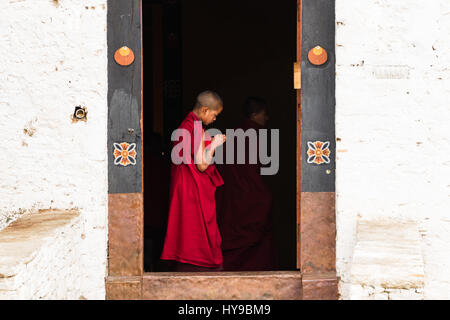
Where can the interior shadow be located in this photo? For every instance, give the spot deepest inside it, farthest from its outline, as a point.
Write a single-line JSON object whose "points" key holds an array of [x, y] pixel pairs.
{"points": [[238, 49]]}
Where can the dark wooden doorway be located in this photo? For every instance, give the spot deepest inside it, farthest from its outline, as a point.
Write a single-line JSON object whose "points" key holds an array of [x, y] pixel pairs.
{"points": [[192, 45], [314, 199]]}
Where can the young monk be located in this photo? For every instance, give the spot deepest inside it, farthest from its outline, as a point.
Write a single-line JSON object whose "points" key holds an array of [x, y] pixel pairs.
{"points": [[193, 240], [244, 205]]}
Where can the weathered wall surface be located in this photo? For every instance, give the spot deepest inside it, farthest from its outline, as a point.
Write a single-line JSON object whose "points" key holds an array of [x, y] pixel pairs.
{"points": [[53, 59], [39, 254], [392, 113]]}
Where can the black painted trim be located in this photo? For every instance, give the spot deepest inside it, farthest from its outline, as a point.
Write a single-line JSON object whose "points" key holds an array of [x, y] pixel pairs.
{"points": [[124, 94], [318, 93]]}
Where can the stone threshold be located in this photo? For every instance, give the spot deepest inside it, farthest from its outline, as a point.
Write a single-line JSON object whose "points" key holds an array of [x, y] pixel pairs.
{"points": [[269, 285]]}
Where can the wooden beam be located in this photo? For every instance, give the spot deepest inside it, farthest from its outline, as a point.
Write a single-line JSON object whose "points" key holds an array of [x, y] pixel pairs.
{"points": [[124, 95]]}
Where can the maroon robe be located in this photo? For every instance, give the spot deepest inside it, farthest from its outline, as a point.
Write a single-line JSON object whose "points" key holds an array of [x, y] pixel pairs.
{"points": [[243, 210], [192, 234]]}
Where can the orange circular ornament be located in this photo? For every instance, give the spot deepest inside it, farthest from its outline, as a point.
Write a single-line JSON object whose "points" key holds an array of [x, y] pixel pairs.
{"points": [[317, 56], [124, 56]]}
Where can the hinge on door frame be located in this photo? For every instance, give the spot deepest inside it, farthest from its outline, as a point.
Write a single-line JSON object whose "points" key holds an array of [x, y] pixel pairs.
{"points": [[297, 75]]}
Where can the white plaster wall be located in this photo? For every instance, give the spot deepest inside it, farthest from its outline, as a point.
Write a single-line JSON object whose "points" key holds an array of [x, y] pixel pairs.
{"points": [[53, 272], [54, 57], [392, 124]]}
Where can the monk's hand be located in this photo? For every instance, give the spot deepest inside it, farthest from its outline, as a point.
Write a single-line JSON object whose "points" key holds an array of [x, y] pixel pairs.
{"points": [[218, 140]]}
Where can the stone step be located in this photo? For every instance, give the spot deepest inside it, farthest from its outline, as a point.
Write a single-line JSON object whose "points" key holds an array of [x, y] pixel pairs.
{"points": [[387, 261], [36, 252]]}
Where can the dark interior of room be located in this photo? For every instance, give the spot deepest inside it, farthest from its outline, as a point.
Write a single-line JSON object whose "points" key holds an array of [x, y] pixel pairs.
{"points": [[238, 49]]}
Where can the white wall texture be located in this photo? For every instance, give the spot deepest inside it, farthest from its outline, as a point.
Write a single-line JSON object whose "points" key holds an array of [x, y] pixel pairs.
{"points": [[392, 118], [54, 58], [43, 264]]}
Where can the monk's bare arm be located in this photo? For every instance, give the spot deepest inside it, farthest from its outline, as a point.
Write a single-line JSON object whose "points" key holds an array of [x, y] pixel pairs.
{"points": [[204, 159]]}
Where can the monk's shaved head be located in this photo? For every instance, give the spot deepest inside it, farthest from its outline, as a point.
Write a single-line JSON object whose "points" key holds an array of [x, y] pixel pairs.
{"points": [[208, 99]]}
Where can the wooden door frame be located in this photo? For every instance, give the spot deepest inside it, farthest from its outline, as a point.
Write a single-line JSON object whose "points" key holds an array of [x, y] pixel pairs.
{"points": [[316, 227]]}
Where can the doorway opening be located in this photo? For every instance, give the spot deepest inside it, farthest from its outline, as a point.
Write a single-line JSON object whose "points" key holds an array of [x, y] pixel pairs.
{"points": [[238, 49]]}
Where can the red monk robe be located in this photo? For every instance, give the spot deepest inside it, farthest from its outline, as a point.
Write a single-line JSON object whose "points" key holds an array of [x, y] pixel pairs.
{"points": [[243, 211], [192, 233]]}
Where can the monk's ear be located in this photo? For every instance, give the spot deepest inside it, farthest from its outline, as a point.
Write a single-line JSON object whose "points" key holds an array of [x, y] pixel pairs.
{"points": [[204, 109]]}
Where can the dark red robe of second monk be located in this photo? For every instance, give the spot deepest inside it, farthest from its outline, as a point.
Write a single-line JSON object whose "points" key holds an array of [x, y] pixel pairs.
{"points": [[192, 233], [243, 210]]}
